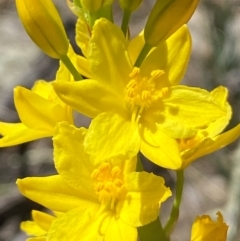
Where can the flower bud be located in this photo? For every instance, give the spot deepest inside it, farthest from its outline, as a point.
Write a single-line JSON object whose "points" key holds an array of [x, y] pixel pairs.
{"points": [[130, 5], [166, 17], [94, 5], [43, 24], [204, 229]]}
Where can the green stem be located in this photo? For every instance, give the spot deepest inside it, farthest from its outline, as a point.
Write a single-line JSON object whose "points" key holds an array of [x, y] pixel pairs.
{"points": [[77, 3], [93, 16], [152, 232], [125, 21], [145, 50], [67, 62], [176, 204], [106, 12]]}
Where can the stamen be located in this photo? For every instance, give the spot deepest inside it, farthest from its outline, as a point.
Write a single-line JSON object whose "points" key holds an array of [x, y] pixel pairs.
{"points": [[134, 73], [141, 92], [107, 184]]}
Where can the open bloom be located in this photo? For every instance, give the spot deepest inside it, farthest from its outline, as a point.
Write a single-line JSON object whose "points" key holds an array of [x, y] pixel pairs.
{"points": [[209, 140], [38, 228], [194, 148], [98, 200], [141, 108], [205, 229], [39, 110]]}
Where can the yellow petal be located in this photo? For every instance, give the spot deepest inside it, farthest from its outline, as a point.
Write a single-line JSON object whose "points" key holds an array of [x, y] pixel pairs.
{"points": [[210, 145], [31, 228], [83, 35], [205, 229], [110, 135], [89, 97], [79, 222], [51, 192], [70, 158], [37, 239], [108, 58], [195, 108], [43, 220], [45, 90], [172, 56], [36, 112], [220, 95], [135, 46], [118, 230], [17, 133], [159, 148], [145, 193]]}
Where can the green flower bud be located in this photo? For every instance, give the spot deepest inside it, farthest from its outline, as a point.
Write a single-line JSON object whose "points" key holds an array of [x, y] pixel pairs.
{"points": [[94, 5], [166, 17], [43, 24], [130, 5]]}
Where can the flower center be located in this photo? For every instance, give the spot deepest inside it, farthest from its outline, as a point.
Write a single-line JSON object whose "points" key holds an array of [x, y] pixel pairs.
{"points": [[141, 93], [189, 143], [108, 183]]}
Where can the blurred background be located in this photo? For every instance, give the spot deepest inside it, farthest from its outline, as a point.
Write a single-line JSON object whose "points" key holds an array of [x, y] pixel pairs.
{"points": [[212, 182]]}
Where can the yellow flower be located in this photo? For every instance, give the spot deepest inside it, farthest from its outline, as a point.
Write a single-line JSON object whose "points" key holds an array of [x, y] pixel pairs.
{"points": [[99, 200], [140, 108], [38, 228], [44, 26], [209, 140], [39, 110], [197, 147], [205, 229]]}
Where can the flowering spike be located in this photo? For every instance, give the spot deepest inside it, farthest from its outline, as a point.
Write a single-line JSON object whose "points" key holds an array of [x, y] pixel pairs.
{"points": [[166, 17], [43, 24]]}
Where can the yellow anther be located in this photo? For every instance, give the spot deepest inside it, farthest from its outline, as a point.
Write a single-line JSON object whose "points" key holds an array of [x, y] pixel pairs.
{"points": [[188, 143], [107, 184], [95, 173], [134, 73], [104, 166], [118, 182], [157, 73], [116, 172]]}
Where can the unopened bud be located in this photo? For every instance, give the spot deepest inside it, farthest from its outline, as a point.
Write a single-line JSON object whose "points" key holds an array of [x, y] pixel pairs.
{"points": [[94, 5], [130, 5], [43, 24], [166, 17]]}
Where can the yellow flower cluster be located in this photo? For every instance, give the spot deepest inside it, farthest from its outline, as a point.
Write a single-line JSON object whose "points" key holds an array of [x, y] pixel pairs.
{"points": [[132, 91]]}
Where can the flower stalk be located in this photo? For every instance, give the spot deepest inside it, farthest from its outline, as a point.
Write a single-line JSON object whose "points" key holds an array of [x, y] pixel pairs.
{"points": [[172, 221]]}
